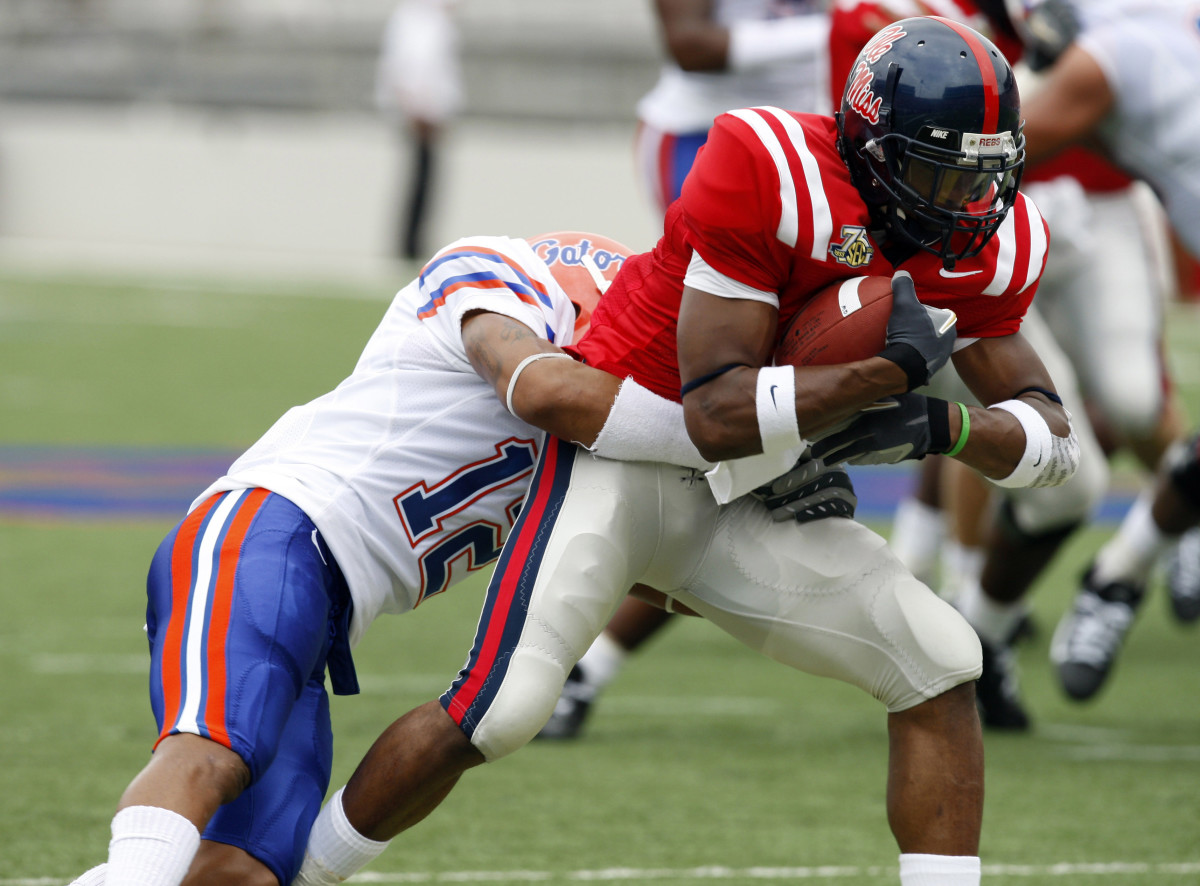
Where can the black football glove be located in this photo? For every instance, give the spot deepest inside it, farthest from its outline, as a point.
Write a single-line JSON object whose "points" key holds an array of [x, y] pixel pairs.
{"points": [[810, 491], [919, 338], [914, 427]]}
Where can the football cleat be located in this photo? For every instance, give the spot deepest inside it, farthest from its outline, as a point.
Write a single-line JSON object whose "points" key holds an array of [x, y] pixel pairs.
{"points": [[1183, 577], [996, 691], [1089, 636], [571, 710]]}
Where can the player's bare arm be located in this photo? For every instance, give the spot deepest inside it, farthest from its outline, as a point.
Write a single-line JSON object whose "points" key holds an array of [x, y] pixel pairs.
{"points": [[691, 34], [1067, 106], [722, 413], [562, 397]]}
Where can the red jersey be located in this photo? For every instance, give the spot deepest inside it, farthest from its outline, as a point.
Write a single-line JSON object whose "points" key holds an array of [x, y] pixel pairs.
{"points": [[770, 209]]}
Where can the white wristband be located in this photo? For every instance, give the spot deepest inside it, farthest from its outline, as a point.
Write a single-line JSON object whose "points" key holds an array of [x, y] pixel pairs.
{"points": [[512, 382], [775, 401], [642, 426], [757, 44], [1048, 460]]}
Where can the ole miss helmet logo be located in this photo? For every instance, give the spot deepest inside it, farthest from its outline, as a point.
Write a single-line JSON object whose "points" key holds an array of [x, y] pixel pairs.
{"points": [[859, 94], [881, 43]]}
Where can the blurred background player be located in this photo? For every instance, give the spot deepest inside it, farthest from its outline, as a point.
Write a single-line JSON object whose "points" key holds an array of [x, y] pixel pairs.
{"points": [[419, 83], [370, 499], [1101, 88], [722, 54], [1103, 293], [1092, 634]]}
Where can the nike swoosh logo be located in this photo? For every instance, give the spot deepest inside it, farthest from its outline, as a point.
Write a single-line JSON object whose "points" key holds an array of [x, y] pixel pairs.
{"points": [[773, 403], [943, 272]]}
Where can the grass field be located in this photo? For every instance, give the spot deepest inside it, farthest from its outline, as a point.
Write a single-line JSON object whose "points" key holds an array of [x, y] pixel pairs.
{"points": [[703, 762]]}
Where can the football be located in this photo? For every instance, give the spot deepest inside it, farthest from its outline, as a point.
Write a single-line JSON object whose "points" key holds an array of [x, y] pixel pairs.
{"points": [[844, 322]]}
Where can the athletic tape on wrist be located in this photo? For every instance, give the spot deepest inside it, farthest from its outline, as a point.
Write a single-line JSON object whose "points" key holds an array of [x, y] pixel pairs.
{"points": [[642, 426], [775, 402], [1048, 460], [963, 433], [512, 382]]}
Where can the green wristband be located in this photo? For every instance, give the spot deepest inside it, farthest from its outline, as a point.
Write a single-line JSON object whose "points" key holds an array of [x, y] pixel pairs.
{"points": [[962, 434]]}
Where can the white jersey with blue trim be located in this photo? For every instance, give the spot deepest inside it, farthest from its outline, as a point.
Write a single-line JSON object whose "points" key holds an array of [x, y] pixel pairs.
{"points": [[1149, 51], [688, 101], [412, 469]]}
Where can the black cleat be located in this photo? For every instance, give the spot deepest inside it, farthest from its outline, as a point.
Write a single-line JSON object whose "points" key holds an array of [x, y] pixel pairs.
{"points": [[996, 691], [1089, 636], [1183, 577]]}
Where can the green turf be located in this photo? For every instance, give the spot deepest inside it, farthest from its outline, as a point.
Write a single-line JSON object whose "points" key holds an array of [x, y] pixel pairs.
{"points": [[702, 754]]}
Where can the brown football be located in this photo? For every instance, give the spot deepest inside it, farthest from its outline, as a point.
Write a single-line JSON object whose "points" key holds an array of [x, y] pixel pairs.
{"points": [[844, 322]]}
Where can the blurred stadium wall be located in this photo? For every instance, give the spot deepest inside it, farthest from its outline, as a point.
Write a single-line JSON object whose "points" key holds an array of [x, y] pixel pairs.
{"points": [[241, 133]]}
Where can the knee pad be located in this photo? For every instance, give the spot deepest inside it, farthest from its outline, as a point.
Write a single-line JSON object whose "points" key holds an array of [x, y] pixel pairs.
{"points": [[944, 646], [522, 705], [1130, 402]]}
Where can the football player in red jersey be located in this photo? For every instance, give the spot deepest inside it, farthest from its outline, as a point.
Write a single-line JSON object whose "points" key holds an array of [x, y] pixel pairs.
{"points": [[916, 177]]}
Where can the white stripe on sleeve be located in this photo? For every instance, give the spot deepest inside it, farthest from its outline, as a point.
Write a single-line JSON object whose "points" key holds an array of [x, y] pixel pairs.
{"points": [[1037, 243], [1006, 254], [822, 216], [789, 218]]}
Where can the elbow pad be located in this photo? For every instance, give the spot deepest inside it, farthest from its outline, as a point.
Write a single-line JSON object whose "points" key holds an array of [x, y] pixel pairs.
{"points": [[1048, 460]]}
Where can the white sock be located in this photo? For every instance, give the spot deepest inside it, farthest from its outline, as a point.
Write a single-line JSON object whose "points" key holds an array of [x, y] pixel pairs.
{"points": [[1130, 555], [917, 533], [961, 566], [94, 877], [335, 849], [992, 620], [939, 870], [602, 662], [150, 846]]}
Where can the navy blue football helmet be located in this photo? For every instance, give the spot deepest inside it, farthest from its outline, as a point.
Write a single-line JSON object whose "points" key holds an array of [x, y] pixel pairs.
{"points": [[930, 128]]}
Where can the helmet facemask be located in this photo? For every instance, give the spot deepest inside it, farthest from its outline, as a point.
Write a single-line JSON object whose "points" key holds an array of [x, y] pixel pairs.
{"points": [[946, 200]]}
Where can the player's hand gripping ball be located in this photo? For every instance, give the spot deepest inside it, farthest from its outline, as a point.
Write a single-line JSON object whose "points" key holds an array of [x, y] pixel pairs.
{"points": [[844, 322]]}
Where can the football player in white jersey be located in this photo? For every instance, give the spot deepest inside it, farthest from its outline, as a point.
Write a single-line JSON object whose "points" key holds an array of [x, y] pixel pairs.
{"points": [[369, 499], [1101, 87]]}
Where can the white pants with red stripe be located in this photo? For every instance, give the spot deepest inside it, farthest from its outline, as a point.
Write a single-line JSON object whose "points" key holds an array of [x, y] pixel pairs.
{"points": [[827, 597]]}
